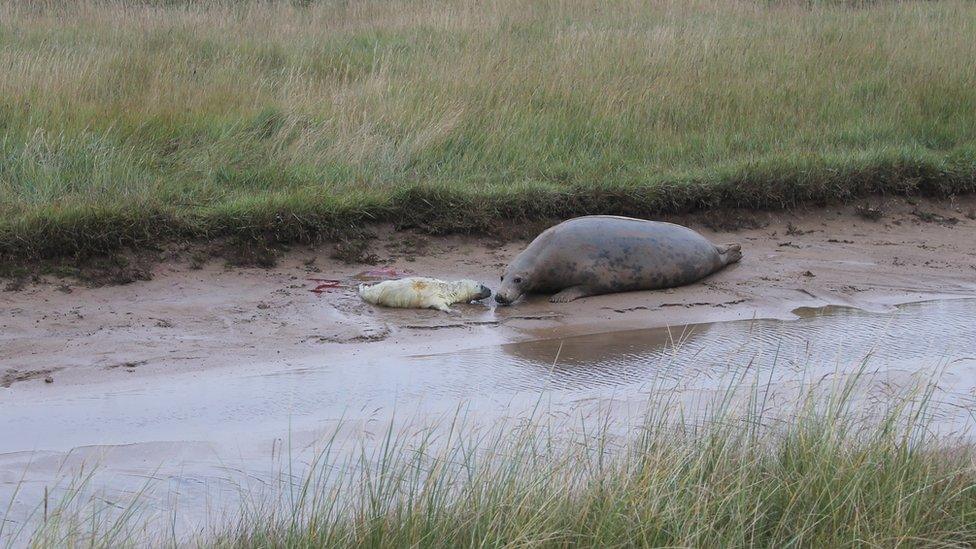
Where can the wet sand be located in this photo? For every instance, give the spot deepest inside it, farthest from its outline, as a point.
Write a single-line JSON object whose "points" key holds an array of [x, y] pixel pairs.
{"points": [[187, 320], [198, 378]]}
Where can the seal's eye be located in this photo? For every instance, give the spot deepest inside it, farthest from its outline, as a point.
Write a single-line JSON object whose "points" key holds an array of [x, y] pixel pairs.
{"points": [[501, 278], [517, 280]]}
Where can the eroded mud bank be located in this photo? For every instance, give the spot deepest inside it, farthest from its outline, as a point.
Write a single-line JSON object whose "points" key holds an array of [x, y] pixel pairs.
{"points": [[199, 376]]}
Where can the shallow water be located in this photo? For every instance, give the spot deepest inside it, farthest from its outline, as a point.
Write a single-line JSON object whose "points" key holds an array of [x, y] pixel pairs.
{"points": [[215, 406], [188, 428]]}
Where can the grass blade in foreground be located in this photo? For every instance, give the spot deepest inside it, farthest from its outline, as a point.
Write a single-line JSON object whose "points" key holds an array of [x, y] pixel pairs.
{"points": [[824, 475], [827, 477]]}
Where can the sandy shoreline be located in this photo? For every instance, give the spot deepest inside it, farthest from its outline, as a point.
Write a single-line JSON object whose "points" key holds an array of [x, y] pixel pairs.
{"points": [[187, 320]]}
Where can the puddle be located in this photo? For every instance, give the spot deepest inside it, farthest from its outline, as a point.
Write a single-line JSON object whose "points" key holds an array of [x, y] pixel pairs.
{"points": [[239, 417]]}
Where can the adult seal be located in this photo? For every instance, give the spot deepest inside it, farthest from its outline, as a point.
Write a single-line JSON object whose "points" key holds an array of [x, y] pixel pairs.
{"points": [[602, 254]]}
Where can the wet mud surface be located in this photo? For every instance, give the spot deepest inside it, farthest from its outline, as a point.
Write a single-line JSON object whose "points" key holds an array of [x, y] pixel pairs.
{"points": [[197, 377]]}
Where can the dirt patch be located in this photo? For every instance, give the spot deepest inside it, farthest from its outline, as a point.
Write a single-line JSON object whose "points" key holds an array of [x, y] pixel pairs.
{"points": [[704, 304], [13, 375], [355, 251], [113, 270], [871, 213], [18, 283], [130, 365], [249, 253], [733, 220], [793, 230], [932, 217], [450, 326], [409, 246], [198, 260], [369, 336]]}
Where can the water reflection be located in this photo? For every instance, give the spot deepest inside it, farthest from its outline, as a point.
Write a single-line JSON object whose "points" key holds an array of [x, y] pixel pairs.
{"points": [[909, 338]]}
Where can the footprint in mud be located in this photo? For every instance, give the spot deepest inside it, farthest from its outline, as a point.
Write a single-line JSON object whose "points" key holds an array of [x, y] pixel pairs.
{"points": [[368, 335], [128, 366], [13, 375], [721, 305], [466, 324], [629, 309]]}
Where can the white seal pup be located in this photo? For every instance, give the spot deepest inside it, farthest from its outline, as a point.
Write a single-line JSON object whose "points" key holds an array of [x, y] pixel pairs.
{"points": [[602, 254], [423, 293]]}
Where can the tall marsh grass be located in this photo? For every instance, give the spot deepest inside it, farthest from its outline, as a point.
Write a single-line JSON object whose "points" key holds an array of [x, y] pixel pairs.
{"points": [[128, 122], [826, 474]]}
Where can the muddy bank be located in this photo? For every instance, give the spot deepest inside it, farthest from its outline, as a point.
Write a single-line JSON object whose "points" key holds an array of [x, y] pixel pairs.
{"points": [[203, 379], [193, 317]]}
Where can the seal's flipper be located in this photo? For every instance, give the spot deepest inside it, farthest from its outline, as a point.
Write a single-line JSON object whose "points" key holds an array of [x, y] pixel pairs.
{"points": [[571, 294], [731, 253]]}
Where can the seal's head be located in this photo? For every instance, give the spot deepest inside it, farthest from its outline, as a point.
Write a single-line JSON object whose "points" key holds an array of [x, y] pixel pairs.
{"points": [[515, 282], [469, 290], [464, 291]]}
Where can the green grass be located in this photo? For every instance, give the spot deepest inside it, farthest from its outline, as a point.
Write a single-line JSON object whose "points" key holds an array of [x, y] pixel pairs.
{"points": [[131, 123], [824, 472], [823, 478]]}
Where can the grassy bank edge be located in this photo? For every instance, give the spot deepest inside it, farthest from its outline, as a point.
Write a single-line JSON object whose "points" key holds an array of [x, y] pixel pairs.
{"points": [[441, 207]]}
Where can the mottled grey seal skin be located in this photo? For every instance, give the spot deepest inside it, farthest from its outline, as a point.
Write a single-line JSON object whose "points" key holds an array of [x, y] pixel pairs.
{"points": [[602, 254]]}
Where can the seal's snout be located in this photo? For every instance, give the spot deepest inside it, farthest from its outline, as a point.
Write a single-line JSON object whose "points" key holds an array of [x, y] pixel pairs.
{"points": [[484, 292], [510, 289], [503, 298]]}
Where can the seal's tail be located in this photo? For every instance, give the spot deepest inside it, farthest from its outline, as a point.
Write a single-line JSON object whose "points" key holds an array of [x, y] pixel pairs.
{"points": [[731, 253]]}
